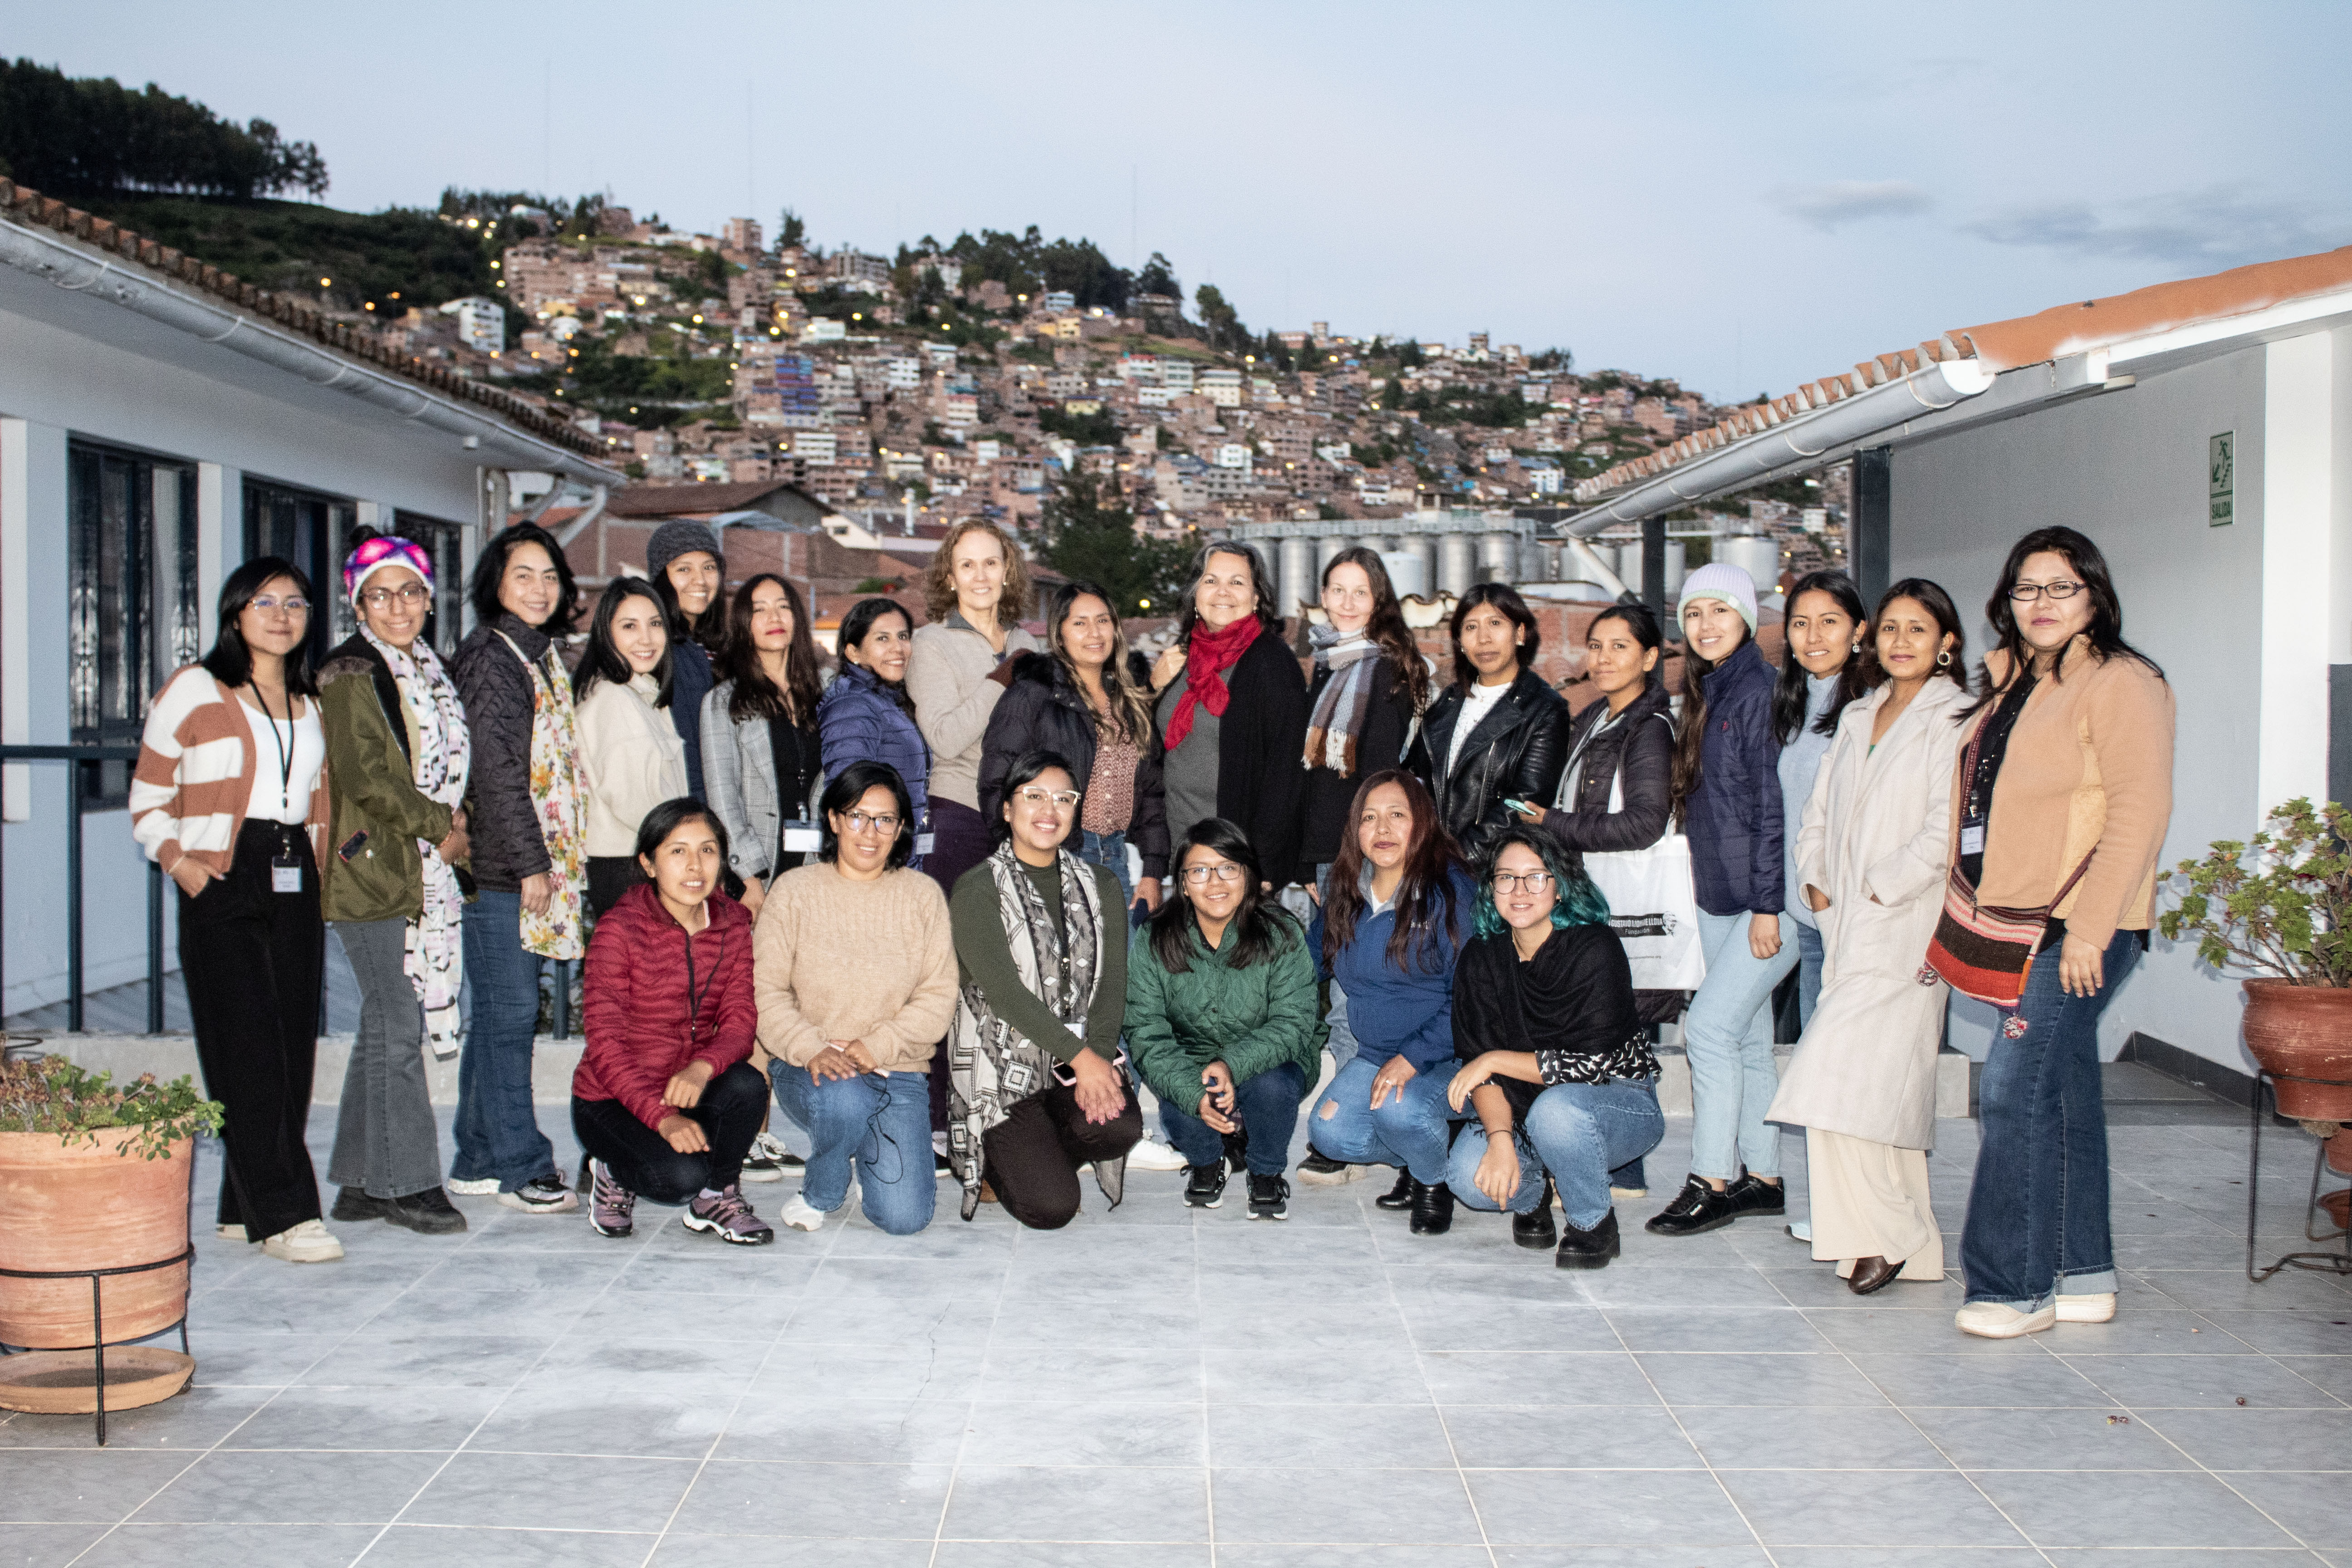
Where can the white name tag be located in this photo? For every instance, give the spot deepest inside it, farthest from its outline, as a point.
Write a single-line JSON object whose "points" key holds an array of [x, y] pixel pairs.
{"points": [[1972, 838], [286, 878], [803, 838], [922, 843]]}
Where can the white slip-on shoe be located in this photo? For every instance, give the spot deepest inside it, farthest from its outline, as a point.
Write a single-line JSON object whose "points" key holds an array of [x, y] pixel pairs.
{"points": [[480, 1187], [1994, 1320], [308, 1242], [2099, 1308], [1150, 1154], [795, 1211], [231, 1233]]}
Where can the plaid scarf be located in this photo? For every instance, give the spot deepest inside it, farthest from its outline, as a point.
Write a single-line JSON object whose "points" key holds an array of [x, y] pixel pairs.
{"points": [[1338, 717]]}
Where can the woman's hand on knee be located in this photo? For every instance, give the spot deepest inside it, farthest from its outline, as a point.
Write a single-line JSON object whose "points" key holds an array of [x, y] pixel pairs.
{"points": [[684, 1134], [831, 1064], [1390, 1081], [1100, 1095], [1498, 1170]]}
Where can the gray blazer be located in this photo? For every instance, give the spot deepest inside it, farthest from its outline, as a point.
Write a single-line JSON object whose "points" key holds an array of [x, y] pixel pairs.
{"points": [[739, 778]]}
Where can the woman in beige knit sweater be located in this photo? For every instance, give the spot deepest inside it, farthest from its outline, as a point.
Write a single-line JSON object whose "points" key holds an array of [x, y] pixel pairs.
{"points": [[629, 750], [854, 973]]}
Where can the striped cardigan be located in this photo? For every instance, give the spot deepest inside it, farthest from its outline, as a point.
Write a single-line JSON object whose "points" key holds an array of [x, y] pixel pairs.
{"points": [[194, 776]]}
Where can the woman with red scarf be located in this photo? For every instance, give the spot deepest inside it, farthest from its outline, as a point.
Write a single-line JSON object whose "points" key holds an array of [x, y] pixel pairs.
{"points": [[1232, 709]]}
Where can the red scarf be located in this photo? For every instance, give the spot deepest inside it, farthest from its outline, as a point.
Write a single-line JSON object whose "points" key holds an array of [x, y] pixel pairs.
{"points": [[1207, 655]]}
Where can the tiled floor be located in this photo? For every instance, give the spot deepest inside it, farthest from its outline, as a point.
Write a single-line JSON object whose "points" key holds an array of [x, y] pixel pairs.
{"points": [[1162, 1387]]}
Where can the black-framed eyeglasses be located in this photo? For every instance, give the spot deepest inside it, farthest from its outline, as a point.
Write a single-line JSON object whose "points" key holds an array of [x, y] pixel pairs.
{"points": [[866, 822], [2026, 592], [409, 594], [1199, 875], [1512, 882]]}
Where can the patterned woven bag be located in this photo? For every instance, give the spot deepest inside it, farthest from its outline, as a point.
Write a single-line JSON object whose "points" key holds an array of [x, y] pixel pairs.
{"points": [[1985, 951]]}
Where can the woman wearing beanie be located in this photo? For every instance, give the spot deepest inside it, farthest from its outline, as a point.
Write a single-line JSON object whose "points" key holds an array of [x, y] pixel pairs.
{"points": [[629, 752], [399, 754], [690, 575], [1728, 795]]}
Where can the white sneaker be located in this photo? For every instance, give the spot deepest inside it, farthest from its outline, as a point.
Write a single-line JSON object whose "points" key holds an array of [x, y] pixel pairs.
{"points": [[308, 1242], [766, 1159], [231, 1233], [542, 1194], [2093, 1308], [1150, 1154], [795, 1211], [1993, 1321], [482, 1187]]}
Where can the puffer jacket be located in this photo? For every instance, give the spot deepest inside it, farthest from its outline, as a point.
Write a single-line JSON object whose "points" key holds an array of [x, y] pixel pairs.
{"points": [[1042, 709], [1733, 817], [378, 813], [1637, 753], [642, 1023], [1252, 1019], [857, 721], [1516, 752], [496, 690]]}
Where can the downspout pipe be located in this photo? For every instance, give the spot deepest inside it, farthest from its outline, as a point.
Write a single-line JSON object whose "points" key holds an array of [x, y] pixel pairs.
{"points": [[586, 519]]}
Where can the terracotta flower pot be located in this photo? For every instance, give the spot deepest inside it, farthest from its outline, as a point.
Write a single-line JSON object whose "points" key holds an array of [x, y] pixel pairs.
{"points": [[2305, 1031], [90, 1205]]}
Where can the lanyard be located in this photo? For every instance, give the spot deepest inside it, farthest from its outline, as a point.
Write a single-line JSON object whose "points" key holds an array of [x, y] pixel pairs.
{"points": [[285, 756], [694, 993]]}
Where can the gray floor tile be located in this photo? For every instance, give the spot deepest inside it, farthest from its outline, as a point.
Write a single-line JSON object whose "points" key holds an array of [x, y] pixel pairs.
{"points": [[1888, 1511], [1815, 1286], [45, 1546], [818, 1501], [899, 1430], [1688, 1378], [2329, 1373], [281, 1488], [1145, 1374], [796, 1371], [428, 1361], [1564, 1436], [2100, 1439], [2154, 1332], [1517, 1555], [995, 1502], [1973, 1380], [678, 1419], [1292, 1556], [1481, 1377], [85, 1485], [433, 1420], [191, 1420], [421, 1311], [202, 1545], [2289, 1333], [1082, 1554], [547, 1491], [2230, 1438], [1325, 1376], [679, 1550], [2219, 1557], [1114, 1431], [1407, 1435], [1860, 1332], [1669, 1286], [1909, 1557], [2128, 1509], [646, 1362], [2308, 1503], [570, 1275], [1835, 1437], [2165, 1383], [1372, 1508], [439, 1546], [255, 1360], [264, 1311], [1715, 1329], [1645, 1509]]}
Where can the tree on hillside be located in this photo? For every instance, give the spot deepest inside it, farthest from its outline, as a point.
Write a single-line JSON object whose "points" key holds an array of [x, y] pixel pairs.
{"points": [[1095, 540], [1223, 323], [1158, 277], [61, 134], [790, 229]]}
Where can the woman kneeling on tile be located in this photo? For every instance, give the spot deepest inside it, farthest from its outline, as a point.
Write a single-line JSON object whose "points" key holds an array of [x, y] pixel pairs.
{"points": [[1557, 1065], [1034, 1055], [665, 1101]]}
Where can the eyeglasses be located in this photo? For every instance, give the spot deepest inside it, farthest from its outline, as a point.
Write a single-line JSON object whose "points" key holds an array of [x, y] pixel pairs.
{"points": [[861, 822], [411, 595], [2026, 592], [1513, 881], [1199, 875], [1033, 797], [266, 604]]}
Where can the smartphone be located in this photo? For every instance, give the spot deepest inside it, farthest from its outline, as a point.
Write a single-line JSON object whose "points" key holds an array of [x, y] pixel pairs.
{"points": [[1510, 805]]}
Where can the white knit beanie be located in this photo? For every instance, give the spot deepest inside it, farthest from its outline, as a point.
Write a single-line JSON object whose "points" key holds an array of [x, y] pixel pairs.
{"points": [[1721, 580]]}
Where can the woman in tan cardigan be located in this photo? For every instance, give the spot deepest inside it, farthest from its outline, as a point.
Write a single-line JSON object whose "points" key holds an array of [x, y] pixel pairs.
{"points": [[2073, 774]]}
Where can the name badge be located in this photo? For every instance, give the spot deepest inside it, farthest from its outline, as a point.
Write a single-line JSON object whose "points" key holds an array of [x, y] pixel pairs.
{"points": [[802, 837], [284, 873], [922, 844], [1972, 838]]}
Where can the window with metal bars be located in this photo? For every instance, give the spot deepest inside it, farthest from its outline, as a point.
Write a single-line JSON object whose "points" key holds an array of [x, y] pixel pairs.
{"points": [[134, 615]]}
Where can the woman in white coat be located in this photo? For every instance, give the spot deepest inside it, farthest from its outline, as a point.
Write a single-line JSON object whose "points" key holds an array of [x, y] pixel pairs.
{"points": [[1871, 861]]}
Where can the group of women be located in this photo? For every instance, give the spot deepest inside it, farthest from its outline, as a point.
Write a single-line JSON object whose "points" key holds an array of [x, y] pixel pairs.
{"points": [[899, 903]]}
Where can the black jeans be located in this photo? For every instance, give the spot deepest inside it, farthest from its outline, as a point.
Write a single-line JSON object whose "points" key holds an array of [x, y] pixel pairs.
{"points": [[641, 1159], [1032, 1157], [253, 962]]}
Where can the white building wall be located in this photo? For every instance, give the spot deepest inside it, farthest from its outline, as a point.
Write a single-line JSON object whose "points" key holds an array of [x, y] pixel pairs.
{"points": [[2128, 469]]}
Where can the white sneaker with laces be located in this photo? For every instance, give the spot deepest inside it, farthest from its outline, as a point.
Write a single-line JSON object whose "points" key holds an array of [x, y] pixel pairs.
{"points": [[1151, 1155], [2093, 1309], [308, 1242], [481, 1187], [795, 1211], [1994, 1320], [765, 1160]]}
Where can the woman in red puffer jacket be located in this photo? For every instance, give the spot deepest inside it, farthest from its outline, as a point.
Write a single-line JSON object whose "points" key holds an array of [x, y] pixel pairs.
{"points": [[665, 1101]]}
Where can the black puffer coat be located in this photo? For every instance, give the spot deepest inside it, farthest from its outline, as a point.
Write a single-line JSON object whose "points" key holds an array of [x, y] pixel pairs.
{"points": [[1639, 751], [1042, 709], [1516, 752]]}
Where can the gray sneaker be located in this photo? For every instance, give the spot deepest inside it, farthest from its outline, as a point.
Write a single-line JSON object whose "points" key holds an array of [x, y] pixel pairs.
{"points": [[729, 1219]]}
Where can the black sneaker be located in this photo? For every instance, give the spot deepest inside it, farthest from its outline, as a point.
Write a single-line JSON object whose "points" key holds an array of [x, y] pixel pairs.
{"points": [[1237, 1151], [1399, 1196], [1206, 1188], [1269, 1198], [354, 1204], [541, 1195], [1536, 1231], [1432, 1208], [767, 1160], [1588, 1248], [1749, 1195], [428, 1212], [1698, 1207], [1320, 1170]]}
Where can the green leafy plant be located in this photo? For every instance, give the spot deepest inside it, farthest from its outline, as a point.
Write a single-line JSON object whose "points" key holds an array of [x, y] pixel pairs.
{"points": [[2279, 904], [54, 1096]]}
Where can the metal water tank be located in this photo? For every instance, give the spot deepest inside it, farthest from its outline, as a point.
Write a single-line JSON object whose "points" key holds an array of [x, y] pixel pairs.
{"points": [[1754, 554], [1498, 553], [1676, 570], [1407, 573], [1295, 578], [1424, 548], [1457, 560], [1327, 546], [1539, 562]]}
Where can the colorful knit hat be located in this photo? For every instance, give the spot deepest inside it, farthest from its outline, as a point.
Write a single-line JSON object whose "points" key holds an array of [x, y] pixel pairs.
{"points": [[372, 555]]}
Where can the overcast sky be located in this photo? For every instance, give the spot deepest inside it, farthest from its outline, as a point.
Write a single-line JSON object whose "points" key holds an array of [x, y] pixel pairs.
{"points": [[1742, 195]]}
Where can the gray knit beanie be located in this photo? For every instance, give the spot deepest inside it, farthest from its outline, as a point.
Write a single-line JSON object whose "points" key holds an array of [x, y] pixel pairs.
{"points": [[680, 536]]}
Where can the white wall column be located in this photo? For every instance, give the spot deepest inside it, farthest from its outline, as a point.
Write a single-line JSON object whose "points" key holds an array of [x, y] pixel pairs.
{"points": [[220, 538], [2300, 566]]}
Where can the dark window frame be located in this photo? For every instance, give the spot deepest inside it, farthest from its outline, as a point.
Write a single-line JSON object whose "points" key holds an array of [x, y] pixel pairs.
{"points": [[133, 614]]}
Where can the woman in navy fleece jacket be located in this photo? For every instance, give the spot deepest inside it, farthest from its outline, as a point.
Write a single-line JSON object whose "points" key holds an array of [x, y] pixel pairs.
{"points": [[1396, 911]]}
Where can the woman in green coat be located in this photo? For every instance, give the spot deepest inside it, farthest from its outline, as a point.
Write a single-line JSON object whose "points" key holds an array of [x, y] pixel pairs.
{"points": [[398, 755], [1222, 1018]]}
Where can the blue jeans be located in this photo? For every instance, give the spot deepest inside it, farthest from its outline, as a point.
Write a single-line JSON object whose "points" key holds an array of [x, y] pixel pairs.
{"points": [[1577, 1131], [2037, 1221], [1408, 1131], [1810, 955], [1107, 850], [883, 1122], [1341, 1042], [1269, 1107], [496, 1129], [1727, 1036]]}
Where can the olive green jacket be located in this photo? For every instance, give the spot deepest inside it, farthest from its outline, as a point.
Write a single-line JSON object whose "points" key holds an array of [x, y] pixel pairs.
{"points": [[1250, 1019], [373, 869]]}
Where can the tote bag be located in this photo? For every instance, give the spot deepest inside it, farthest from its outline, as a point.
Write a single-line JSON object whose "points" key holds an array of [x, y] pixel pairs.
{"points": [[1652, 906]]}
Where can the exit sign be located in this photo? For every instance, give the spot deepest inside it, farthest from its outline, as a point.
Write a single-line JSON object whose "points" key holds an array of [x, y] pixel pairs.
{"points": [[2221, 480]]}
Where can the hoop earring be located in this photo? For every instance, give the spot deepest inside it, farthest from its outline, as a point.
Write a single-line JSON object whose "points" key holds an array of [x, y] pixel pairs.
{"points": [[1944, 659]]}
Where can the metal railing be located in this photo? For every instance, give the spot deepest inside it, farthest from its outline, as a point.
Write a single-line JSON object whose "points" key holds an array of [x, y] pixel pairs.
{"points": [[76, 759]]}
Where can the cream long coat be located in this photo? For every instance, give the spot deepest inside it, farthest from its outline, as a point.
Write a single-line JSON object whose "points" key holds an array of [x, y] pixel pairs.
{"points": [[1878, 823]]}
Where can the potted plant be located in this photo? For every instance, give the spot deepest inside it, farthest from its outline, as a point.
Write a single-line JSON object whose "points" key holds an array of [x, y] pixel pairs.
{"points": [[2280, 905], [93, 1176]]}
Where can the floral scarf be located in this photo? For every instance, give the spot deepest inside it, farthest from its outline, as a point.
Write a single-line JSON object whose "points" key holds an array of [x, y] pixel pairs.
{"points": [[1338, 718], [444, 756], [558, 793]]}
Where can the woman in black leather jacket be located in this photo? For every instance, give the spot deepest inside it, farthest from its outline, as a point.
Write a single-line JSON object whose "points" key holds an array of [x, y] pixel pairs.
{"points": [[1499, 732]]}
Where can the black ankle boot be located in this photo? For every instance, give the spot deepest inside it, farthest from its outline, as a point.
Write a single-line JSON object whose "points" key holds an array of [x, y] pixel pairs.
{"points": [[1588, 1248], [1536, 1231], [1399, 1196], [1432, 1208]]}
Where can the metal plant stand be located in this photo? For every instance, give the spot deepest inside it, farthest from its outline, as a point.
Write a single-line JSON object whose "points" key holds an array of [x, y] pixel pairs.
{"points": [[2336, 1262], [98, 1340]]}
